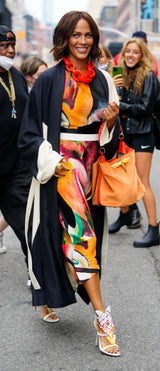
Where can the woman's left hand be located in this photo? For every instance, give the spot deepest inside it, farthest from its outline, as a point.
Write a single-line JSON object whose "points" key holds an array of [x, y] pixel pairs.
{"points": [[61, 169], [110, 114]]}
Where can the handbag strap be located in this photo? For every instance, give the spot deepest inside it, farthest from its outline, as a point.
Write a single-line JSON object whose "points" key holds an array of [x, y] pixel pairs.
{"points": [[116, 145], [123, 148]]}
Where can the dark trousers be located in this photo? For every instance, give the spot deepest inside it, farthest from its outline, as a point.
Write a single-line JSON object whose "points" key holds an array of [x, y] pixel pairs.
{"points": [[14, 189]]}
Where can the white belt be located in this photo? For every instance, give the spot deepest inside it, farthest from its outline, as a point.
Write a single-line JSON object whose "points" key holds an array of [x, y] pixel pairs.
{"points": [[79, 136]]}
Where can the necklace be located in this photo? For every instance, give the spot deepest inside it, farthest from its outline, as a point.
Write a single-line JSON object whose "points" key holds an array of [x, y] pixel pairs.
{"points": [[11, 93], [77, 74]]}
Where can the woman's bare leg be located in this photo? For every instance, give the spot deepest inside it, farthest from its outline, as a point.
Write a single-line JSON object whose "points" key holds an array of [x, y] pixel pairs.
{"points": [[92, 287], [143, 165]]}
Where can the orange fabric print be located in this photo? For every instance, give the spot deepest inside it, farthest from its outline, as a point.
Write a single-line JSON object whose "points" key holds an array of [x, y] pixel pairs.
{"points": [[72, 107]]}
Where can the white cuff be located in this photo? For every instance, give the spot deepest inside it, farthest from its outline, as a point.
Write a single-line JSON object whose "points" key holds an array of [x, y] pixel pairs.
{"points": [[47, 161], [106, 136]]}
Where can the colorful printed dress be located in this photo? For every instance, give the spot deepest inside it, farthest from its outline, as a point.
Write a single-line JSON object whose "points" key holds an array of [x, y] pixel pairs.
{"points": [[80, 150]]}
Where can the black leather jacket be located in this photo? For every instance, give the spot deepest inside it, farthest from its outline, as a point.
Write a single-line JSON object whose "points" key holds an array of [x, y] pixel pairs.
{"points": [[139, 109]]}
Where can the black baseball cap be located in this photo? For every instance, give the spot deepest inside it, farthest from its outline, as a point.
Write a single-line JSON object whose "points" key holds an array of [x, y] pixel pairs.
{"points": [[3, 34], [140, 34]]}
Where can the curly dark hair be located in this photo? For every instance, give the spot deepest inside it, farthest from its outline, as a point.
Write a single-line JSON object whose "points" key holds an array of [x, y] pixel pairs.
{"points": [[64, 30]]}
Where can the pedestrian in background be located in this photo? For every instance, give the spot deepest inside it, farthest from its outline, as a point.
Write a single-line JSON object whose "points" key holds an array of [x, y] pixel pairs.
{"points": [[137, 106], [14, 177], [143, 36], [59, 143], [32, 67], [134, 219], [105, 62]]}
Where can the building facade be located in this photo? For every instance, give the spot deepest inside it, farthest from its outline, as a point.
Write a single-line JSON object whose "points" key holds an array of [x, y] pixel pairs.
{"points": [[33, 37], [48, 11], [139, 15]]}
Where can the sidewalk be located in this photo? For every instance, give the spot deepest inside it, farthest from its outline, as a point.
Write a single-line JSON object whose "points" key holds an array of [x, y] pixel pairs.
{"points": [[131, 285]]}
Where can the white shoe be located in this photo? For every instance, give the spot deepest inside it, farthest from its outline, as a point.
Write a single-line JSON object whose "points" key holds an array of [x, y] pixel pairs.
{"points": [[28, 283], [52, 315], [2, 248], [106, 339]]}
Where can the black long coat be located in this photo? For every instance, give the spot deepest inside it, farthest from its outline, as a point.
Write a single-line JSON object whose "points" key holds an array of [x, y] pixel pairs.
{"points": [[55, 287]]}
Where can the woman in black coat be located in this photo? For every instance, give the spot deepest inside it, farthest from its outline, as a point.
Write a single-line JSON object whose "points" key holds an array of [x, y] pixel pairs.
{"points": [[59, 143]]}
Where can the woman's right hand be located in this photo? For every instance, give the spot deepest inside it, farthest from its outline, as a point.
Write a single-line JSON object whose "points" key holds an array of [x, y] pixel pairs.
{"points": [[118, 81]]}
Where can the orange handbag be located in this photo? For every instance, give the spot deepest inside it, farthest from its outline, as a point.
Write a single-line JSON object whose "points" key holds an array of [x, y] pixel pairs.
{"points": [[115, 182]]}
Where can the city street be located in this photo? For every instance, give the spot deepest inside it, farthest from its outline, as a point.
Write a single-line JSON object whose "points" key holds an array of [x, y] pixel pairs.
{"points": [[130, 284]]}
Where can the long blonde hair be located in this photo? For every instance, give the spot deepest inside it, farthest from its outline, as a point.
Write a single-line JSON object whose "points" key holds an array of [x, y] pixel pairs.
{"points": [[139, 74]]}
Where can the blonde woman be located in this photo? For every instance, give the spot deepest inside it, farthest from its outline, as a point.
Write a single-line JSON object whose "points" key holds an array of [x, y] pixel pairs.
{"points": [[137, 105]]}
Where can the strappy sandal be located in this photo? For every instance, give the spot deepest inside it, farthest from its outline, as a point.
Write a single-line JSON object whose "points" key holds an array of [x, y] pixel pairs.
{"points": [[105, 328], [51, 314]]}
